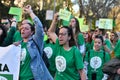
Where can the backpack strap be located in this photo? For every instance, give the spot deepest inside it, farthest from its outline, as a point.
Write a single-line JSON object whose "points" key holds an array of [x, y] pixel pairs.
{"points": [[104, 55], [36, 46], [43, 55]]}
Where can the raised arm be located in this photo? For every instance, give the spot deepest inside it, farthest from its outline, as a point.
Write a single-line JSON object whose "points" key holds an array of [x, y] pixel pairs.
{"points": [[39, 32], [28, 10], [52, 28]]}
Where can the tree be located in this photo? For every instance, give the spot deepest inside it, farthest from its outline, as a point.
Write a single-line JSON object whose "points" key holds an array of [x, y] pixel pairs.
{"points": [[115, 15], [95, 9], [5, 5]]}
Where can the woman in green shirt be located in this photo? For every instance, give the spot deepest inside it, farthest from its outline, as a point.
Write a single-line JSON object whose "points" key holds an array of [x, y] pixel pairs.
{"points": [[94, 60], [78, 36], [88, 40], [68, 59]]}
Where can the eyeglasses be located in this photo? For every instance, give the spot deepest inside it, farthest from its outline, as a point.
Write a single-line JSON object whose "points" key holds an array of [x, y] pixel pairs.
{"points": [[62, 34], [96, 30], [4, 23]]}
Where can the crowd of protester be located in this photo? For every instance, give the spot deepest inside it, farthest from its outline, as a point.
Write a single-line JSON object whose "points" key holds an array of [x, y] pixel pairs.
{"points": [[72, 54]]}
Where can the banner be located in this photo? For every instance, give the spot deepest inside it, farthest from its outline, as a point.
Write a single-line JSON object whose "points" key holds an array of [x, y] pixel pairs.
{"points": [[9, 62], [106, 23], [64, 14]]}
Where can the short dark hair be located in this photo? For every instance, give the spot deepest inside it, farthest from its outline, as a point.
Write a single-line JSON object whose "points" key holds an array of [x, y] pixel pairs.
{"points": [[100, 37]]}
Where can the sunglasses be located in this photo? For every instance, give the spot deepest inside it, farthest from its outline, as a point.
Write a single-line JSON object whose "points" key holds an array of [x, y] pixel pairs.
{"points": [[4, 23]]}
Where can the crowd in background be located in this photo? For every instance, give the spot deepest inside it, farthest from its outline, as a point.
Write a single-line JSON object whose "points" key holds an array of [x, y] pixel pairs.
{"points": [[72, 54]]}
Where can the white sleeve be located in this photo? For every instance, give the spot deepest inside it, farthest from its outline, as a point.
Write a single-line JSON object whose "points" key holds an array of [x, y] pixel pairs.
{"points": [[82, 48], [105, 77], [86, 69]]}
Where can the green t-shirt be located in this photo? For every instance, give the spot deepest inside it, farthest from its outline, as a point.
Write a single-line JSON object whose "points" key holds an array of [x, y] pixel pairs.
{"points": [[49, 49], [95, 62], [108, 43], [88, 46], [9, 38], [25, 70], [17, 36], [92, 44], [80, 39], [68, 62]]}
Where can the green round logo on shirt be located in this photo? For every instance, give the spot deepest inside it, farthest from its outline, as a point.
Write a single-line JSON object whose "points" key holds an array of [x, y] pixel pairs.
{"points": [[23, 55], [95, 62], [60, 63], [48, 51]]}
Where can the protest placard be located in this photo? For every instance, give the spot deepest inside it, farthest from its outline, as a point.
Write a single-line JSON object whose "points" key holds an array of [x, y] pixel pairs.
{"points": [[81, 22], [84, 28], [17, 12], [64, 14], [49, 14], [105, 23]]}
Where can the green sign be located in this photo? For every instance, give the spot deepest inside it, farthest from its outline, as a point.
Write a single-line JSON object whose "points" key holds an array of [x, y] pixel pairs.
{"points": [[64, 14], [17, 12], [18, 18], [81, 22], [106, 23], [84, 28]]}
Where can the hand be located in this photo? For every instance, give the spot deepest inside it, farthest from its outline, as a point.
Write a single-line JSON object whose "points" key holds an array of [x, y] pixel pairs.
{"points": [[28, 9], [16, 43], [118, 71], [13, 19], [56, 15]]}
